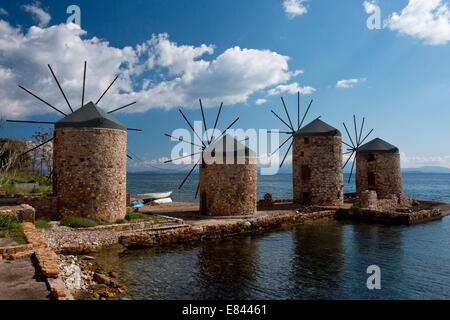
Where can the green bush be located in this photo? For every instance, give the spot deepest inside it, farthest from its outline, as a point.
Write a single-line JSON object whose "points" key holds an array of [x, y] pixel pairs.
{"points": [[43, 224], [77, 222], [6, 221], [10, 226]]}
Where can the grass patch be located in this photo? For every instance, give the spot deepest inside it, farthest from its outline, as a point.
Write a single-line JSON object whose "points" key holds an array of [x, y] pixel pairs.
{"points": [[10, 226], [70, 220], [23, 177], [43, 224], [77, 222], [9, 179], [131, 216]]}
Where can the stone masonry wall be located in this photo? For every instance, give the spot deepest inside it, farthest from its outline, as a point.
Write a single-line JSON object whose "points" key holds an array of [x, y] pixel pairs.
{"points": [[323, 157], [386, 170], [228, 189], [44, 204], [89, 166]]}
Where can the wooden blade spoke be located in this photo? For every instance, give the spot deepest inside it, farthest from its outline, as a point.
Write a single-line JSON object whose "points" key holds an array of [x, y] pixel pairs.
{"points": [[172, 160], [287, 113], [34, 148], [304, 116], [84, 84], [282, 145], [60, 88], [290, 146], [123, 107], [182, 140], [282, 120], [215, 123], [42, 100], [204, 120], [348, 134], [351, 171], [107, 89], [366, 136], [348, 160], [190, 172], [196, 192]]}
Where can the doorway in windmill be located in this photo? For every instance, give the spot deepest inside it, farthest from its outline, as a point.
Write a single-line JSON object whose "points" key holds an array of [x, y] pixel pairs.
{"points": [[203, 204], [306, 198], [371, 179]]}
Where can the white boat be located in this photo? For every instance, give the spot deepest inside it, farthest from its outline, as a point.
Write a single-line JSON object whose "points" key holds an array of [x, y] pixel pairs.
{"points": [[163, 200], [154, 196]]}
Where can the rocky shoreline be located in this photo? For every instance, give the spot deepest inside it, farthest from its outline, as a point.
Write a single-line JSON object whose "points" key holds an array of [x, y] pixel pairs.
{"points": [[85, 279]]}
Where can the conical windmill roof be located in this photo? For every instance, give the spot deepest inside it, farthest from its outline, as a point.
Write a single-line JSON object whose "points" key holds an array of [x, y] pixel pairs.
{"points": [[227, 147], [317, 128], [90, 116], [377, 145]]}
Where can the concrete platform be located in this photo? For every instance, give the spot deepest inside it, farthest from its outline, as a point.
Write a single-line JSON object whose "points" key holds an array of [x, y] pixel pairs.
{"points": [[19, 281]]}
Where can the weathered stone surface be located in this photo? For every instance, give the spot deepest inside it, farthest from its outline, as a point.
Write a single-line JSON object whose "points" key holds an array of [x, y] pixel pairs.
{"points": [[228, 189], [317, 170], [379, 172], [391, 217], [44, 205], [89, 169], [196, 233]]}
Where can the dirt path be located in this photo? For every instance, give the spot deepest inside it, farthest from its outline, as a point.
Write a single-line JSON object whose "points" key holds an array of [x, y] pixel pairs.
{"points": [[18, 281]]}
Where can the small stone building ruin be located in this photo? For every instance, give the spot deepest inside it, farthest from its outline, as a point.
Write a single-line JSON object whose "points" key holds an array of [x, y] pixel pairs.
{"points": [[228, 179], [317, 165], [89, 164], [378, 169]]}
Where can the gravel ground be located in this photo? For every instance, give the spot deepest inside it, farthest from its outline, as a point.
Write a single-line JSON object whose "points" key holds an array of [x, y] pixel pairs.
{"points": [[62, 237]]}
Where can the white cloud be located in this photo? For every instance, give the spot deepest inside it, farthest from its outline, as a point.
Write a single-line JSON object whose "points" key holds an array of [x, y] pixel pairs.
{"points": [[294, 8], [428, 20], [158, 73], [39, 15], [291, 88], [260, 101], [420, 161], [3, 12], [349, 83]]}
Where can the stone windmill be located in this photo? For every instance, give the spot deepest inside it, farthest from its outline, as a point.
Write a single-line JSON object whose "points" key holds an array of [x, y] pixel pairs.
{"points": [[316, 160], [227, 169], [89, 158]]}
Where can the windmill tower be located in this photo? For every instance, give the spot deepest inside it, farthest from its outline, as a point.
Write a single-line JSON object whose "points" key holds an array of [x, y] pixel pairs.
{"points": [[316, 160], [378, 168], [317, 165], [227, 170], [89, 159]]}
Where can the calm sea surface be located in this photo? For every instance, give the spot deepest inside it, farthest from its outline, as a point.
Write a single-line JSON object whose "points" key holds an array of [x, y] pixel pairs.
{"points": [[317, 260]]}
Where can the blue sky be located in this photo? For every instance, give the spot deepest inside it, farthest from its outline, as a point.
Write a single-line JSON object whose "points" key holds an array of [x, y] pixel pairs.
{"points": [[401, 72]]}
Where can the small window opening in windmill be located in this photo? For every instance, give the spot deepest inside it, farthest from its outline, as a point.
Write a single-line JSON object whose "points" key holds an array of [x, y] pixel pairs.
{"points": [[371, 179], [306, 140], [371, 157], [306, 172]]}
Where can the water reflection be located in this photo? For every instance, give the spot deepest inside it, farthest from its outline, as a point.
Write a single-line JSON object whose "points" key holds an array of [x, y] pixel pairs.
{"points": [[318, 260], [375, 244], [227, 268]]}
